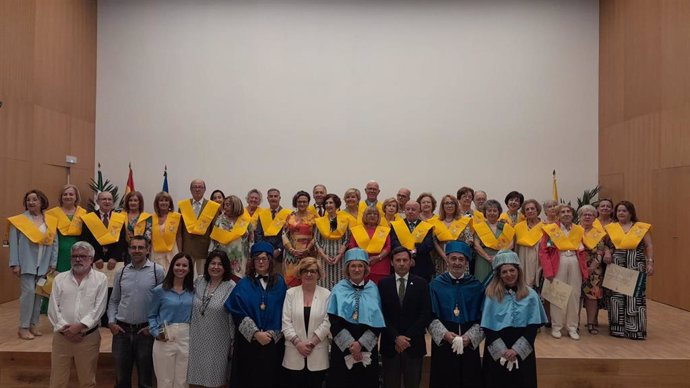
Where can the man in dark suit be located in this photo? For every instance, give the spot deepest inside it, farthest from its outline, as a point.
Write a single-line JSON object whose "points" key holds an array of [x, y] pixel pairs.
{"points": [[417, 236], [104, 229], [407, 310]]}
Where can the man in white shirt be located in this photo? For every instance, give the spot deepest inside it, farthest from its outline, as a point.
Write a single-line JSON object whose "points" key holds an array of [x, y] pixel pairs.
{"points": [[77, 303]]}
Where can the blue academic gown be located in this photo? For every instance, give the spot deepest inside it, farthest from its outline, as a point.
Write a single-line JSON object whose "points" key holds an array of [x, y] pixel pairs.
{"points": [[256, 365], [447, 368]]}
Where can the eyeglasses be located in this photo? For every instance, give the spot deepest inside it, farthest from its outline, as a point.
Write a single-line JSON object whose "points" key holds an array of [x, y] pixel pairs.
{"points": [[80, 257], [449, 203], [310, 271], [261, 258]]}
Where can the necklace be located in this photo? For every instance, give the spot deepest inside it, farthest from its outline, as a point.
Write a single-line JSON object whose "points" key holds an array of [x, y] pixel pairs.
{"points": [[206, 299]]}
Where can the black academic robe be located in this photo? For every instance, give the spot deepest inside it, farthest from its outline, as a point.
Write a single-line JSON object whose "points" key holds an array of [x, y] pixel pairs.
{"points": [[359, 376], [496, 375]]}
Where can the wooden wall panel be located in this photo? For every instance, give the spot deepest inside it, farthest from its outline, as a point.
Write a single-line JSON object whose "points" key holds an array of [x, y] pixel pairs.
{"points": [[82, 140], [16, 37], [642, 69], [671, 236], [49, 124], [16, 121], [48, 90], [673, 147], [612, 186], [611, 62], [64, 52], [645, 153], [675, 46]]}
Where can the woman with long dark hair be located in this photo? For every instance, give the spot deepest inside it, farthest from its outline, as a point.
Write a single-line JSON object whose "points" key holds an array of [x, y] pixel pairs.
{"points": [[169, 317], [212, 328]]}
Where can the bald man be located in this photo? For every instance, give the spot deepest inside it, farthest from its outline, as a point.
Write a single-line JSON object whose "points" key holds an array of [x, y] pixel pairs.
{"points": [[198, 214], [403, 196], [417, 236]]}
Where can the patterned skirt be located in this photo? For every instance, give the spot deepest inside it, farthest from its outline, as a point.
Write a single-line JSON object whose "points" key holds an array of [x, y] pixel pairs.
{"points": [[628, 314]]}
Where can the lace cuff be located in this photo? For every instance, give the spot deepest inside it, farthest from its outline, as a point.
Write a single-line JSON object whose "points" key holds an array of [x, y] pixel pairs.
{"points": [[343, 340], [523, 348], [437, 331], [496, 349], [368, 340], [276, 335], [248, 328], [475, 334]]}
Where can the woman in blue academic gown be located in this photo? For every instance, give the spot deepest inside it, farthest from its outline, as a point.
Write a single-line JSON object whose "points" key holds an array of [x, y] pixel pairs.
{"points": [[256, 305], [511, 316], [354, 311]]}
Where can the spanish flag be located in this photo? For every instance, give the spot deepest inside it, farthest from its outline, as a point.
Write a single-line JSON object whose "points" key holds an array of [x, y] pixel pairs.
{"points": [[130, 181], [555, 187]]}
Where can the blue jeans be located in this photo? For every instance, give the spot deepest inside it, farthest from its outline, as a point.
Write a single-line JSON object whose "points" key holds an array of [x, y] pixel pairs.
{"points": [[130, 348]]}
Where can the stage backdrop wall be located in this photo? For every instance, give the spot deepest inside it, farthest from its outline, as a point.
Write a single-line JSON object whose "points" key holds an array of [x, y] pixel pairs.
{"points": [[431, 95]]}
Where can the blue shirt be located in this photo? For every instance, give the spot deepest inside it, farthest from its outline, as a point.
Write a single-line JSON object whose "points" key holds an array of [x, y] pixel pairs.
{"points": [[131, 292], [167, 306]]}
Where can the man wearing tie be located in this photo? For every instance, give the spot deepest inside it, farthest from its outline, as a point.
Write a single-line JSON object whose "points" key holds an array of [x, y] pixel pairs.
{"points": [[319, 193], [198, 215], [406, 309], [417, 236], [105, 233], [270, 226]]}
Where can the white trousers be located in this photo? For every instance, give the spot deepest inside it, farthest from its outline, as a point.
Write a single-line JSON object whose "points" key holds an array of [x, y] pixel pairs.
{"points": [[568, 272], [170, 358]]}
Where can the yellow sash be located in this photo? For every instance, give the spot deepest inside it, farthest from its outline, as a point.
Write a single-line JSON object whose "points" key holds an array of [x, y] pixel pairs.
{"points": [[630, 240], [370, 244], [140, 225], [571, 242], [254, 218], [324, 225], [238, 230], [591, 239], [477, 217], [397, 218], [164, 241], [489, 238], [270, 226], [66, 226], [31, 231], [103, 235], [409, 239], [379, 206], [504, 217], [192, 224], [450, 233], [528, 237]]}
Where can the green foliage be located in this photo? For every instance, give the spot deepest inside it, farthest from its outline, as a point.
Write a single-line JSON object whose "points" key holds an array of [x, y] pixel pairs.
{"points": [[589, 197], [97, 187]]}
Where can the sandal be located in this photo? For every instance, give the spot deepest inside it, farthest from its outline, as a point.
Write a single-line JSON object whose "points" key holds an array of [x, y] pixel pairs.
{"points": [[592, 329]]}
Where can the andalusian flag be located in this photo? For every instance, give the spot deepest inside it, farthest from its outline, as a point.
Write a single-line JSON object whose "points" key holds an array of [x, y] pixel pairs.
{"points": [[165, 179], [130, 181], [555, 187]]}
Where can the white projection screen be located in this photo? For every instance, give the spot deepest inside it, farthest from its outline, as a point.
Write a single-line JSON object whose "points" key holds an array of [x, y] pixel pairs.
{"points": [[431, 95]]}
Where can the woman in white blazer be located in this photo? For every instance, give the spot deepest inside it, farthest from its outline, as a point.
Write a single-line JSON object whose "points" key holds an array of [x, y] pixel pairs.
{"points": [[306, 345]]}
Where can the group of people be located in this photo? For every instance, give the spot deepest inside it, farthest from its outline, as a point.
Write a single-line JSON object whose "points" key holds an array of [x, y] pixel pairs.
{"points": [[304, 294]]}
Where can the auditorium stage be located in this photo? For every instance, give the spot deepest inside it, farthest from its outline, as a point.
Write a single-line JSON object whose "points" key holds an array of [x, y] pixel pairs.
{"points": [[662, 361]]}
